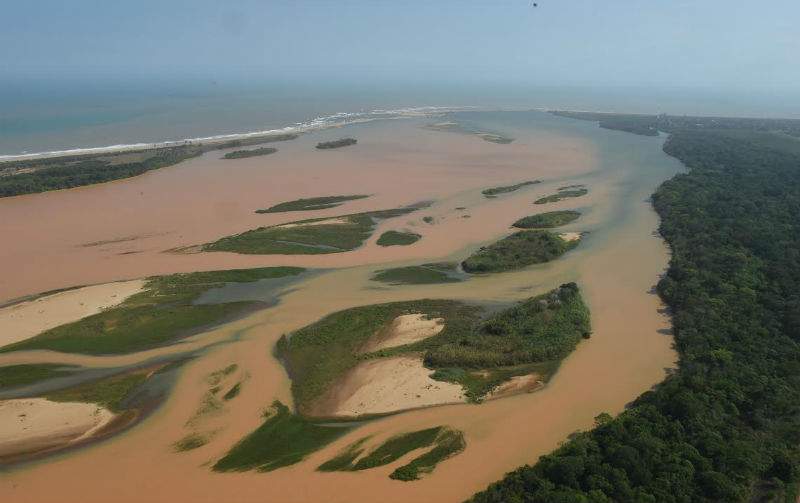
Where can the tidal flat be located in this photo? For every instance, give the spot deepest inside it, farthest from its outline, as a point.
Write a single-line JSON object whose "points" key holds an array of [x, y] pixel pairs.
{"points": [[399, 163]]}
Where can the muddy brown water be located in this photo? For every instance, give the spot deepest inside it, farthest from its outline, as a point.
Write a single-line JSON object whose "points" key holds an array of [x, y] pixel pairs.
{"points": [[616, 266]]}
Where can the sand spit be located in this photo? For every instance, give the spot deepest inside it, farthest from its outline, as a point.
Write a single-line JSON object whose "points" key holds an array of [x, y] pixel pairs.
{"points": [[570, 236], [327, 221], [389, 385], [27, 319], [517, 384], [407, 329], [33, 425]]}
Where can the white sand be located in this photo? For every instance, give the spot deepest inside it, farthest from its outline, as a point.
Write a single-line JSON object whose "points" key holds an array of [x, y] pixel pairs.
{"points": [[570, 236], [407, 329], [327, 221], [517, 384], [27, 319], [34, 424], [392, 384]]}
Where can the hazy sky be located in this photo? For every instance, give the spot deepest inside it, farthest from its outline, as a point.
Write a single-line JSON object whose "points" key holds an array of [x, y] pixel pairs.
{"points": [[708, 43]]}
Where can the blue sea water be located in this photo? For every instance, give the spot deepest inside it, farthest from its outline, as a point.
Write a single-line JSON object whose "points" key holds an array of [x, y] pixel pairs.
{"points": [[47, 116]]}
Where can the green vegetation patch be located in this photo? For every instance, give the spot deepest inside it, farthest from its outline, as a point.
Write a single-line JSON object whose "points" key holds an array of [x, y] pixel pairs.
{"points": [[562, 194], [539, 330], [311, 203], [109, 392], [547, 220], [241, 154], [308, 237], [508, 188], [14, 376], [425, 274], [442, 442], [282, 440], [163, 312], [396, 238], [191, 441], [343, 142], [521, 249]]}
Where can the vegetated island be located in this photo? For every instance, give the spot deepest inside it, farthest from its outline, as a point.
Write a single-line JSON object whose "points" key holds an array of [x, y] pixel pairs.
{"points": [[348, 355], [65, 172], [733, 292], [311, 203], [425, 274], [494, 191], [343, 142], [166, 310], [562, 194], [440, 443], [309, 237], [397, 238], [455, 127], [521, 249], [242, 154], [547, 220]]}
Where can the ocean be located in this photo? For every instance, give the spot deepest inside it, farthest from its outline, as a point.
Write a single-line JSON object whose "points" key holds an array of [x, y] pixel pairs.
{"points": [[43, 116]]}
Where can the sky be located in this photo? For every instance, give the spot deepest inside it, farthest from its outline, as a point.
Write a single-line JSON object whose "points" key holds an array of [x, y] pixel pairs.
{"points": [[736, 44]]}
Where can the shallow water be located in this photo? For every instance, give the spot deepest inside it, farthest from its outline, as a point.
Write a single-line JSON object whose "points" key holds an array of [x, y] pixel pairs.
{"points": [[616, 266]]}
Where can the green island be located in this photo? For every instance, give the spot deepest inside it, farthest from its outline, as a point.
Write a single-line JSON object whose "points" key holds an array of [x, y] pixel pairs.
{"points": [[547, 220], [455, 127], [562, 194], [442, 443], [162, 313], [494, 191], [282, 440], [311, 203], [342, 142], [723, 426], [424, 274], [15, 376], [397, 238], [521, 249], [65, 172], [308, 237], [241, 154], [475, 350]]}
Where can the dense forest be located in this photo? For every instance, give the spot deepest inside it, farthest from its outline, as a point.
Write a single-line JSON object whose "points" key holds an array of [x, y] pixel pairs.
{"points": [[725, 426]]}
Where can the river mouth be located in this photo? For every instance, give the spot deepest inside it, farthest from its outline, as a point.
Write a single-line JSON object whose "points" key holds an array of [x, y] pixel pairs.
{"points": [[616, 264]]}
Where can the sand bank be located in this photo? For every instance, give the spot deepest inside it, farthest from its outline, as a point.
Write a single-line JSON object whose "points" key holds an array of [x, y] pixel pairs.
{"points": [[388, 385], [570, 236], [27, 319], [32, 425], [407, 329]]}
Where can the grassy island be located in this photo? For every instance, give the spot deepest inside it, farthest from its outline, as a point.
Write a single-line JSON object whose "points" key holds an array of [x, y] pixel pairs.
{"points": [[14, 376], [309, 237], [282, 440], [396, 238], [473, 350], [494, 191], [521, 249], [65, 172], [343, 142], [562, 194], [162, 313], [547, 220], [441, 443], [241, 154], [424, 274], [311, 203]]}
